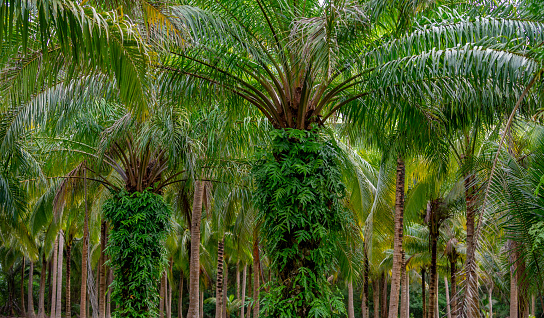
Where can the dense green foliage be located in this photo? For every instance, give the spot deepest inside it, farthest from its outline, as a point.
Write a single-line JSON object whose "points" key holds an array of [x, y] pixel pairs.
{"points": [[139, 225], [298, 194]]}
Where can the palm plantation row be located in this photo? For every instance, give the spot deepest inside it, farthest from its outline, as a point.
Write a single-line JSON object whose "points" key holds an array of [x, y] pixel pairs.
{"points": [[230, 158]]}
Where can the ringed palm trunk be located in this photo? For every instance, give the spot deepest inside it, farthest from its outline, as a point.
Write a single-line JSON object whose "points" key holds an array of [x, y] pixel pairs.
{"points": [[30, 312], [68, 273], [162, 295], [194, 271], [219, 282], [490, 295], [351, 309], [41, 298], [244, 281], [238, 280], [169, 291], [404, 295], [364, 301], [256, 274], [84, 249], [397, 243], [58, 307]]}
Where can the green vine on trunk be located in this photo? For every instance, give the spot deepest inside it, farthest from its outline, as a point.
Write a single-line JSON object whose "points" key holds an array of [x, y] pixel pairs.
{"points": [[298, 195], [139, 224]]}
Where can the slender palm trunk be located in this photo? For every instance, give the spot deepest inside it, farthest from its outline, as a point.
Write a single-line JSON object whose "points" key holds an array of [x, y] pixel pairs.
{"points": [[256, 274], [180, 298], [423, 296], [376, 297], [169, 291], [23, 312], [513, 281], [384, 296], [453, 288], [225, 286], [244, 280], [219, 282], [432, 284], [397, 243], [30, 312], [351, 309], [84, 249], [54, 283], [162, 295], [103, 271], [249, 290], [48, 285], [471, 293], [58, 307], [41, 298], [238, 280], [364, 301], [108, 296], [194, 271], [533, 305], [437, 310], [68, 274], [448, 305], [404, 295]]}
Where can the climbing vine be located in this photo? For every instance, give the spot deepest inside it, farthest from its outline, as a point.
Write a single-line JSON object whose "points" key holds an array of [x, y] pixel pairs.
{"points": [[298, 195], [139, 223]]}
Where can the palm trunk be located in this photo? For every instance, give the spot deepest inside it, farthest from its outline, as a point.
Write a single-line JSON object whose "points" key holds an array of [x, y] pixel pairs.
{"points": [[194, 271], [397, 243], [437, 310], [513, 282], [84, 249], [249, 290], [404, 295], [471, 295], [102, 277], [108, 296], [23, 313], [30, 312], [533, 305], [219, 282], [41, 298], [453, 289], [376, 297], [351, 309], [48, 285], [364, 301], [244, 280], [448, 305], [58, 307], [225, 287], [180, 298], [68, 273], [162, 295], [169, 291], [423, 296], [54, 283], [432, 283], [238, 280], [256, 274], [384, 296]]}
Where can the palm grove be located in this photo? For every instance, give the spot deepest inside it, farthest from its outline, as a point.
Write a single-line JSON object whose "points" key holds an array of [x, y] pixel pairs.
{"points": [[274, 158]]}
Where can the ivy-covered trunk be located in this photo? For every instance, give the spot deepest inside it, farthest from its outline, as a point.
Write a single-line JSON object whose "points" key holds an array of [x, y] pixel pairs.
{"points": [[139, 224], [298, 195]]}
